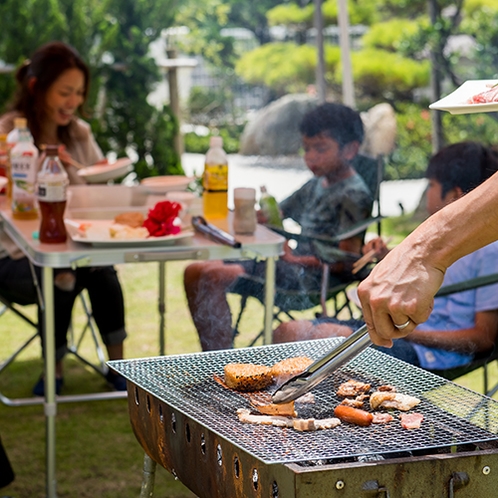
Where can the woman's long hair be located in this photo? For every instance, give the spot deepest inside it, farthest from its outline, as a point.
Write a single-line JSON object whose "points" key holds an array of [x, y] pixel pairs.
{"points": [[46, 65]]}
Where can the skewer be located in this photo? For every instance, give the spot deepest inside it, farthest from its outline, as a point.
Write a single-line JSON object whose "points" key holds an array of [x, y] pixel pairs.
{"points": [[75, 163], [366, 258]]}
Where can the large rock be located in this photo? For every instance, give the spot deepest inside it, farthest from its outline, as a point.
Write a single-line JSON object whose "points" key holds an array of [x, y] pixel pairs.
{"points": [[274, 130]]}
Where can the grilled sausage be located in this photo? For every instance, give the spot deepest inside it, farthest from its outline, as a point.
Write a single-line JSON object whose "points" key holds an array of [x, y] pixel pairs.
{"points": [[353, 415]]}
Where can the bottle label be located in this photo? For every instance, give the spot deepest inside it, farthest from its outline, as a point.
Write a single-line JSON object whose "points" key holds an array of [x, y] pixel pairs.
{"points": [[215, 178], [23, 173], [52, 189]]}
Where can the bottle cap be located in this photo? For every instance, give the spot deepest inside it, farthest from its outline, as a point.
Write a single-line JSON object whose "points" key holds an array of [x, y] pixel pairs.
{"points": [[51, 150], [216, 141]]}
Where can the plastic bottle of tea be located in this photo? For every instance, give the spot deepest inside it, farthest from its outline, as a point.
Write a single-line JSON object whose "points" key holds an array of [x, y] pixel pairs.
{"points": [[215, 181]]}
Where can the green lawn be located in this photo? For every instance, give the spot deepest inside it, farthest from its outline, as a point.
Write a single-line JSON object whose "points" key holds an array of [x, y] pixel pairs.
{"points": [[97, 453]]}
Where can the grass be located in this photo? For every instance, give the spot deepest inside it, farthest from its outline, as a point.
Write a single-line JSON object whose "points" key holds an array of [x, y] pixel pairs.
{"points": [[97, 453]]}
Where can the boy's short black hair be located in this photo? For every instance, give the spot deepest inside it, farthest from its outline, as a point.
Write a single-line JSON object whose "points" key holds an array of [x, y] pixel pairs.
{"points": [[464, 164], [338, 121]]}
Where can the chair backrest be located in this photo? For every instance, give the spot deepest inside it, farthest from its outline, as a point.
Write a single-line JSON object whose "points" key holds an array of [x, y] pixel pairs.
{"points": [[372, 171]]}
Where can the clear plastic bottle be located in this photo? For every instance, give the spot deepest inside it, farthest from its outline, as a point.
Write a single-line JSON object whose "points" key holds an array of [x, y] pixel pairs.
{"points": [[270, 209], [51, 190], [215, 181], [23, 168], [12, 139]]}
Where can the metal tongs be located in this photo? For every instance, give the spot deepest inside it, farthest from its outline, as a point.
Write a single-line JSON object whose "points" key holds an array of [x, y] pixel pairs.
{"points": [[215, 233], [323, 367]]}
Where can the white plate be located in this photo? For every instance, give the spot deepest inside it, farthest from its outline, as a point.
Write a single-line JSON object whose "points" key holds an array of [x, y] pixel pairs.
{"points": [[3, 182], [456, 102], [100, 173], [102, 238], [164, 184]]}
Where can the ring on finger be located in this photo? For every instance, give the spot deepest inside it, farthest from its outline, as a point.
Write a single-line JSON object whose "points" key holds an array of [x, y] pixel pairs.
{"points": [[403, 326]]}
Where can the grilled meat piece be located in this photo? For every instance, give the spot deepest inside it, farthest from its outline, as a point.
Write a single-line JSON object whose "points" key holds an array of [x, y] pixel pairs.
{"points": [[312, 424], [352, 388], [378, 397], [299, 424], [355, 403], [246, 417], [247, 376], [411, 420], [382, 418], [304, 424], [284, 409], [402, 402], [290, 367]]}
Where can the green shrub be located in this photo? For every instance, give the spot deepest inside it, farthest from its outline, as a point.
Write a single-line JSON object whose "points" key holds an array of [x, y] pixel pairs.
{"points": [[391, 35], [413, 143], [387, 75], [284, 67], [290, 14], [200, 144]]}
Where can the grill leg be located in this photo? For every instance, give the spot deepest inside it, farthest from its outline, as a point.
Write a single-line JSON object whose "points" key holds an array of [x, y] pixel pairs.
{"points": [[149, 473]]}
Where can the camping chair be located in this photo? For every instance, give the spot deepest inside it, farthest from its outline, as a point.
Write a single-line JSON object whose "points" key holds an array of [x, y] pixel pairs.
{"points": [[75, 338], [286, 302], [484, 359]]}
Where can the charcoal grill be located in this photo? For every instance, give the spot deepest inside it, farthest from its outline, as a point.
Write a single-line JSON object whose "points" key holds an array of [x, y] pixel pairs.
{"points": [[187, 422]]}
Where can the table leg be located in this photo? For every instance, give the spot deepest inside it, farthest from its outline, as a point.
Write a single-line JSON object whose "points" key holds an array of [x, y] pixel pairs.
{"points": [[269, 299], [162, 308], [50, 401]]}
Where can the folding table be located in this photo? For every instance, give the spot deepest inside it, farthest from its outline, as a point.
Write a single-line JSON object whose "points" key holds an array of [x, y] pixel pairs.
{"points": [[264, 244]]}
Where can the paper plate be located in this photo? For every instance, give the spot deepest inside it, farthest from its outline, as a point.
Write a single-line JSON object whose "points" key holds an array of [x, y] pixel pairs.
{"points": [[100, 236], [457, 101], [101, 173], [164, 184]]}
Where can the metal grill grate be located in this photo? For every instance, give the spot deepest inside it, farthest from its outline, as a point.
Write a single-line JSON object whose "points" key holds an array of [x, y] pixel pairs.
{"points": [[453, 415]]}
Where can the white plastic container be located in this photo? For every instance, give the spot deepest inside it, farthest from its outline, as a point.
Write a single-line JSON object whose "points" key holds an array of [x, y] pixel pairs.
{"points": [[23, 168]]}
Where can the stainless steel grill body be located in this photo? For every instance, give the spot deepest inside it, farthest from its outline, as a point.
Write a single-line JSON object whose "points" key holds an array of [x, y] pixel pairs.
{"points": [[187, 422]]}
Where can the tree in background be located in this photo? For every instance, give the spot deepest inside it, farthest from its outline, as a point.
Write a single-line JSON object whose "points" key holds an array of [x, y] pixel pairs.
{"points": [[113, 36], [390, 64]]}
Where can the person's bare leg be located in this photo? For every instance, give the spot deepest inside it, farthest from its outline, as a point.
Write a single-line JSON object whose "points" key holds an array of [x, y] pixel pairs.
{"points": [[115, 351], [303, 330], [205, 286]]}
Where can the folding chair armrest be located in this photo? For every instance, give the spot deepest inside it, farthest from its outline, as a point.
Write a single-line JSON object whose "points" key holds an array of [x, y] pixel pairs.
{"points": [[356, 229], [470, 284]]}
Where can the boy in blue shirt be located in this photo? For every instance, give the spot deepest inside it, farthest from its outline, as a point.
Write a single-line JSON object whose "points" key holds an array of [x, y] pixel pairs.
{"points": [[461, 324]]}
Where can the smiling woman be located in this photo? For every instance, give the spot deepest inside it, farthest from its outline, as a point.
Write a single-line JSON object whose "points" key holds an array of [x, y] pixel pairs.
{"points": [[52, 88]]}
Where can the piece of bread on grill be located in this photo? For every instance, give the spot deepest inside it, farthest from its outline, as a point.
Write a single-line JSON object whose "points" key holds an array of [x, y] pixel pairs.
{"points": [[133, 219], [290, 367], [247, 376]]}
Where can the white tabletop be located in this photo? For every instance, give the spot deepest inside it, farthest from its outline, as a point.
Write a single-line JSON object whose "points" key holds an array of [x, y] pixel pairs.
{"points": [[264, 243]]}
